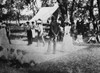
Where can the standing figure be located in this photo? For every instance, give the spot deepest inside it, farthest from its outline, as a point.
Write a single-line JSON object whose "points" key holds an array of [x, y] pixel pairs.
{"points": [[8, 33], [53, 34], [78, 27], [29, 34], [91, 26], [33, 30], [61, 26], [40, 32], [92, 36]]}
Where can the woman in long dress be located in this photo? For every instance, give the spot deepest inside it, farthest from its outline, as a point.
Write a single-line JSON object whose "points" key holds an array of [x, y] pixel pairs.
{"points": [[33, 30], [40, 32], [67, 40]]}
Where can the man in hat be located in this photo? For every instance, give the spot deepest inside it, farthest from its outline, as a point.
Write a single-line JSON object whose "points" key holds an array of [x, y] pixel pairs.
{"points": [[29, 33], [53, 33]]}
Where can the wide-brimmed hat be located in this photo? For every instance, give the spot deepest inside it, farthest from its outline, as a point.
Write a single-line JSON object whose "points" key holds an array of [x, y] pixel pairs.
{"points": [[39, 21], [32, 22], [27, 22]]}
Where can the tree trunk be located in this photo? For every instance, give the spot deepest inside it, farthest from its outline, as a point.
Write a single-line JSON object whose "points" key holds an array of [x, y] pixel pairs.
{"points": [[91, 10], [65, 4], [63, 8], [71, 15], [18, 17], [98, 2]]}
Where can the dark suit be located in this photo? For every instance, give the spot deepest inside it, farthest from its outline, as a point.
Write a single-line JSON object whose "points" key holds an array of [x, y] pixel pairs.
{"points": [[29, 35], [53, 33]]}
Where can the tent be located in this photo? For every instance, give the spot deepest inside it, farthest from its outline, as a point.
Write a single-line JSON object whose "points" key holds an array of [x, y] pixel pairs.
{"points": [[44, 13]]}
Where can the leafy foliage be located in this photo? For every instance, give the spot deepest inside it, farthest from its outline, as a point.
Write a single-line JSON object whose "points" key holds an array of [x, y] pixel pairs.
{"points": [[76, 8]]}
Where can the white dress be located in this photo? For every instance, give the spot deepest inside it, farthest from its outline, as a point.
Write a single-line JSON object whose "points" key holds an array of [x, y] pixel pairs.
{"points": [[67, 29], [67, 41], [33, 33], [79, 39]]}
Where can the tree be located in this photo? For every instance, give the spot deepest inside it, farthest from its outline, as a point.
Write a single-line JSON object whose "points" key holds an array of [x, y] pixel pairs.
{"points": [[19, 6], [63, 7], [27, 2], [72, 10], [91, 10], [98, 2], [44, 3]]}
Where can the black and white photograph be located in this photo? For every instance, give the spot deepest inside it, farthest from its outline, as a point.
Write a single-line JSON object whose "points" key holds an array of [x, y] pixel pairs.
{"points": [[49, 36]]}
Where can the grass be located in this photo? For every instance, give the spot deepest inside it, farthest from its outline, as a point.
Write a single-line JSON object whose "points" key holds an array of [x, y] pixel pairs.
{"points": [[17, 32], [86, 63], [80, 63], [17, 29], [4, 68]]}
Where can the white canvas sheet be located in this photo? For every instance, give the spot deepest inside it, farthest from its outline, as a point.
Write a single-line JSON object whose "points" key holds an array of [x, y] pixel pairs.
{"points": [[44, 13]]}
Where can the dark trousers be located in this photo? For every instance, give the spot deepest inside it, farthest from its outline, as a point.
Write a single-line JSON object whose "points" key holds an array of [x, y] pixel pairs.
{"points": [[8, 36], [29, 36], [9, 39], [54, 40]]}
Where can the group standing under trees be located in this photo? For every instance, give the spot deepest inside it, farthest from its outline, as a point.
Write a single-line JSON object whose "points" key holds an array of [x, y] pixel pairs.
{"points": [[87, 25]]}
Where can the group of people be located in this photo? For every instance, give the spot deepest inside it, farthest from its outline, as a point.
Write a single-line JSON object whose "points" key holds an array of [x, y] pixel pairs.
{"points": [[32, 28], [88, 29], [53, 34], [36, 28]]}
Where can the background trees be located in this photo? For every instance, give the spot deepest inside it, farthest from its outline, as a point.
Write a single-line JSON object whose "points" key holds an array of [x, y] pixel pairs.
{"points": [[98, 2], [80, 9], [14, 8], [71, 9]]}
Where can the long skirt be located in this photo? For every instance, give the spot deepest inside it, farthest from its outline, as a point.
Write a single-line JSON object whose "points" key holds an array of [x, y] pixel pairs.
{"points": [[33, 33]]}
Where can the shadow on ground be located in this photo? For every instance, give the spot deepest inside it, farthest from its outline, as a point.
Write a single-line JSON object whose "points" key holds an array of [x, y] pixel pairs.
{"points": [[82, 61]]}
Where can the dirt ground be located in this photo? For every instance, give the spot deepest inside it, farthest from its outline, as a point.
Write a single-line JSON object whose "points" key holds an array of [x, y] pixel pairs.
{"points": [[39, 54], [68, 57]]}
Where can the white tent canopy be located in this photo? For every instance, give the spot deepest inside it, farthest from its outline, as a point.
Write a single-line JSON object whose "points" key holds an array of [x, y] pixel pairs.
{"points": [[44, 13]]}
